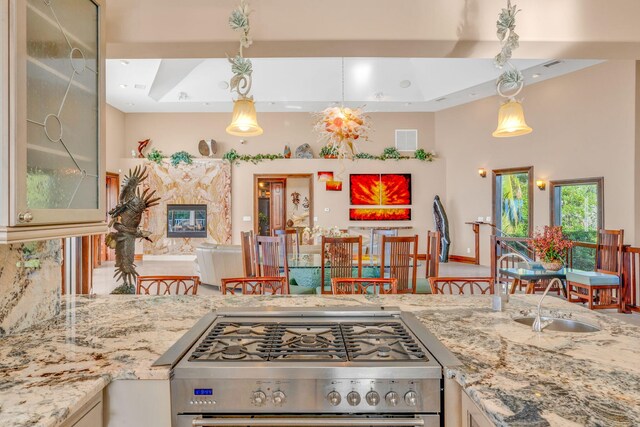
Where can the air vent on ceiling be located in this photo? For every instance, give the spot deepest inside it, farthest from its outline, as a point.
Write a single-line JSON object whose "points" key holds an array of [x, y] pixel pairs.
{"points": [[441, 99], [551, 64], [406, 139]]}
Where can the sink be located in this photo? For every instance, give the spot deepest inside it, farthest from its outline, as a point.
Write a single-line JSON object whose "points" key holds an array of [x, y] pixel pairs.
{"points": [[560, 325]]}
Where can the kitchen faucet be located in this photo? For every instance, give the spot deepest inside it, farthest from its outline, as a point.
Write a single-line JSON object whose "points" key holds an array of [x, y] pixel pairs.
{"points": [[500, 300], [537, 323]]}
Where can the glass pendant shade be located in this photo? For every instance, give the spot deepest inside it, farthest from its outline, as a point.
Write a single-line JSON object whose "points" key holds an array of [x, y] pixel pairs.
{"points": [[244, 121], [511, 120]]}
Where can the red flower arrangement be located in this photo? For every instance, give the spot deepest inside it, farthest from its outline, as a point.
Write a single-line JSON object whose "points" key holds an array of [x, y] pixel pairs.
{"points": [[550, 245]]}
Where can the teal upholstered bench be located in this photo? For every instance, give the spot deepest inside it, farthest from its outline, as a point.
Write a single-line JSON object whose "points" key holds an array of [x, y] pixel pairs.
{"points": [[595, 288]]}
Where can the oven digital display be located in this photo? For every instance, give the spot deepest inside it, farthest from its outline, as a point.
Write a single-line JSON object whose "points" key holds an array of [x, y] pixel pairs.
{"points": [[203, 391]]}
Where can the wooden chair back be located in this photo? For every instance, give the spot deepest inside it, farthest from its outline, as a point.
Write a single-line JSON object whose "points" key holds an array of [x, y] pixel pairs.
{"points": [[249, 261], [340, 255], [271, 256], [400, 256], [461, 285], [432, 268], [363, 285], [255, 286], [167, 285], [375, 244], [609, 246], [291, 238]]}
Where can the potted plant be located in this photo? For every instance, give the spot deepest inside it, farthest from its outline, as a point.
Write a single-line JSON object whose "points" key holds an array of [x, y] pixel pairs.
{"points": [[551, 247], [329, 152]]}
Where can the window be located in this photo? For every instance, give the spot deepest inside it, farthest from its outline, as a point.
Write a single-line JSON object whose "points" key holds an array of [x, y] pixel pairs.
{"points": [[513, 201], [577, 205]]}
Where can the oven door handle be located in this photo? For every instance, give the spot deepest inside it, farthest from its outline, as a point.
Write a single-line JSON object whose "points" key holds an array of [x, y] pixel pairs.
{"points": [[308, 422]]}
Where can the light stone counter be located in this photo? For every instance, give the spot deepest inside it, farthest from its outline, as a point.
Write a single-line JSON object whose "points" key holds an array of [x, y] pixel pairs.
{"points": [[518, 377]]}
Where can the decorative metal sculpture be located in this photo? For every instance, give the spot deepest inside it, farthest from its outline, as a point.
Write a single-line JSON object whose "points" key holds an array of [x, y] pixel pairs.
{"points": [[141, 146], [442, 224], [125, 219]]}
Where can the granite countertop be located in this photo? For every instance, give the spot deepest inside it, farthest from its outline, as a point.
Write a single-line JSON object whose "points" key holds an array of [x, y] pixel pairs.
{"points": [[518, 377]]}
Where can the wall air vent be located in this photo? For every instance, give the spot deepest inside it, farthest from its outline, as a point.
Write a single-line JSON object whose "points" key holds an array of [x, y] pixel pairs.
{"points": [[406, 139], [551, 64]]}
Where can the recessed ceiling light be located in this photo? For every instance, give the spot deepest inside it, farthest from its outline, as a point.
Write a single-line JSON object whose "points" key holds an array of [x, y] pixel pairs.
{"points": [[223, 84], [139, 86], [123, 86], [130, 104], [405, 84], [272, 103], [441, 99], [407, 104], [183, 96], [335, 103], [205, 103], [536, 75], [124, 62], [379, 96], [293, 107]]}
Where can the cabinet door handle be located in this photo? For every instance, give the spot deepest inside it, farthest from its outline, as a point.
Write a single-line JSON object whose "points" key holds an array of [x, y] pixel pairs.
{"points": [[25, 217], [308, 422]]}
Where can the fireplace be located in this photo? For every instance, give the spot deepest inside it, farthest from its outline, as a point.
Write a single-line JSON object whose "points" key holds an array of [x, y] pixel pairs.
{"points": [[187, 221]]}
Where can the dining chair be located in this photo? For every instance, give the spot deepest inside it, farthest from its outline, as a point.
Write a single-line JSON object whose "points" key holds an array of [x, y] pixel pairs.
{"points": [[597, 288], [342, 256], [432, 262], [462, 285], [248, 245], [254, 286], [399, 257], [271, 256], [291, 238], [167, 285], [363, 285]]}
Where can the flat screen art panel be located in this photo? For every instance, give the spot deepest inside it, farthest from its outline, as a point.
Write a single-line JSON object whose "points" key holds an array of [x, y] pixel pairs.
{"points": [[380, 214], [364, 189], [395, 189]]}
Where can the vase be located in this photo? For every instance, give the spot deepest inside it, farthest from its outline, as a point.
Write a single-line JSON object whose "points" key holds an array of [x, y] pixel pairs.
{"points": [[553, 265]]}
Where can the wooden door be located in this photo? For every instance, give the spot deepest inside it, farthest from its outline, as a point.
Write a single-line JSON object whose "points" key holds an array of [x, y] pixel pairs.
{"points": [[278, 214], [101, 252]]}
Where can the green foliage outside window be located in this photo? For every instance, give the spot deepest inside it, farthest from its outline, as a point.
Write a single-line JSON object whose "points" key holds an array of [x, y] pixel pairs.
{"points": [[514, 220]]}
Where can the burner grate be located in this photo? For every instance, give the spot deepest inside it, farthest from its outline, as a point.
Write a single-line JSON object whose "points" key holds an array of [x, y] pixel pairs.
{"points": [[300, 341]]}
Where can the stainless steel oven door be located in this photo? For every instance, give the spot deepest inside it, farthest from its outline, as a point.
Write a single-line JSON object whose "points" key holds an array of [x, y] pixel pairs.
{"points": [[310, 421]]}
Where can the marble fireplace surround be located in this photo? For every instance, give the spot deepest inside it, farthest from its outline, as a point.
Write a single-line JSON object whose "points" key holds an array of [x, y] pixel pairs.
{"points": [[205, 181]]}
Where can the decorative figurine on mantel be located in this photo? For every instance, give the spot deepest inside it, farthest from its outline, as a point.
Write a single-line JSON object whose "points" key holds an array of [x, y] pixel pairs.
{"points": [[125, 219], [141, 146]]}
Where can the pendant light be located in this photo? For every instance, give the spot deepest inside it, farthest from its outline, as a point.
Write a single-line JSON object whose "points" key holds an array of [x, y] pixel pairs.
{"points": [[244, 120], [511, 121]]}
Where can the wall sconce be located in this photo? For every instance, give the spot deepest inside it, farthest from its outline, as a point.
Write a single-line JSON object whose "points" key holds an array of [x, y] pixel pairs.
{"points": [[482, 172], [541, 184]]}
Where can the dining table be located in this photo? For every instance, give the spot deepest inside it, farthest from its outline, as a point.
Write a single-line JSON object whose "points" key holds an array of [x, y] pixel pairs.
{"points": [[305, 270], [532, 276]]}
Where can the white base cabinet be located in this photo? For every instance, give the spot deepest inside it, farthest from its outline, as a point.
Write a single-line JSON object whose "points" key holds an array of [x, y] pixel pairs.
{"points": [[90, 415]]}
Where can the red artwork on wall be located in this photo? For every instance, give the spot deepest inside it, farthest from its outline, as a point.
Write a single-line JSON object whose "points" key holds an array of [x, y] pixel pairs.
{"points": [[333, 185], [379, 214], [380, 189], [365, 189], [395, 189]]}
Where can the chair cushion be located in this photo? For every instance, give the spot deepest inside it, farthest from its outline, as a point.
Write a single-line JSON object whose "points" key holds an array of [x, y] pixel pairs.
{"points": [[423, 286], [591, 278]]}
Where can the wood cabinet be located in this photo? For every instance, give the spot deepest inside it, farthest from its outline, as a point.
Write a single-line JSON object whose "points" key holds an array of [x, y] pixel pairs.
{"points": [[52, 110], [472, 416], [90, 415]]}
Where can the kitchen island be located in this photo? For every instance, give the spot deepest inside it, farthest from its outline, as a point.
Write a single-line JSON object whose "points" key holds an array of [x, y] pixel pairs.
{"points": [[516, 377]]}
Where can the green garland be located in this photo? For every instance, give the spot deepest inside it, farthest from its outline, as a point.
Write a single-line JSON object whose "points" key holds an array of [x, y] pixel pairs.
{"points": [[233, 157], [389, 153], [181, 157]]}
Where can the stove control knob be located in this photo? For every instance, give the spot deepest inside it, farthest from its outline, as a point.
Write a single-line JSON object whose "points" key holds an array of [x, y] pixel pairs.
{"points": [[258, 398], [392, 398], [353, 398], [411, 398], [279, 398], [334, 398], [373, 398]]}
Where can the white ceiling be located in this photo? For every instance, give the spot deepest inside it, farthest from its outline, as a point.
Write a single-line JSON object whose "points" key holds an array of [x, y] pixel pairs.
{"points": [[311, 84]]}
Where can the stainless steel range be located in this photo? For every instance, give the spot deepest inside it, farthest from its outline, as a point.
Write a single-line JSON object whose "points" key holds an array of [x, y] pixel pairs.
{"points": [[307, 367]]}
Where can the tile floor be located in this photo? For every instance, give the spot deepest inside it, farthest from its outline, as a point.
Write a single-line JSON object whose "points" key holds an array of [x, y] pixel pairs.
{"points": [[103, 282]]}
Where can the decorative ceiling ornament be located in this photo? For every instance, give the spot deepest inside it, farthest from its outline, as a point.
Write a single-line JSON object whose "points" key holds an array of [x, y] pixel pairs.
{"points": [[244, 121], [511, 120], [341, 128]]}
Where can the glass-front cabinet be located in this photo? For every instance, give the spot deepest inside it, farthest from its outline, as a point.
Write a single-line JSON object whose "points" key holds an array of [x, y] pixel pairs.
{"points": [[52, 119]]}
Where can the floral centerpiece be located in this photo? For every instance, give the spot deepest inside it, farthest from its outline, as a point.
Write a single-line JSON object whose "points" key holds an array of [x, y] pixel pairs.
{"points": [[340, 128], [309, 235], [551, 246]]}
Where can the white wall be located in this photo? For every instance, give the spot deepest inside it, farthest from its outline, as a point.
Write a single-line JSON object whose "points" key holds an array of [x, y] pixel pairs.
{"points": [[115, 122], [584, 126]]}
